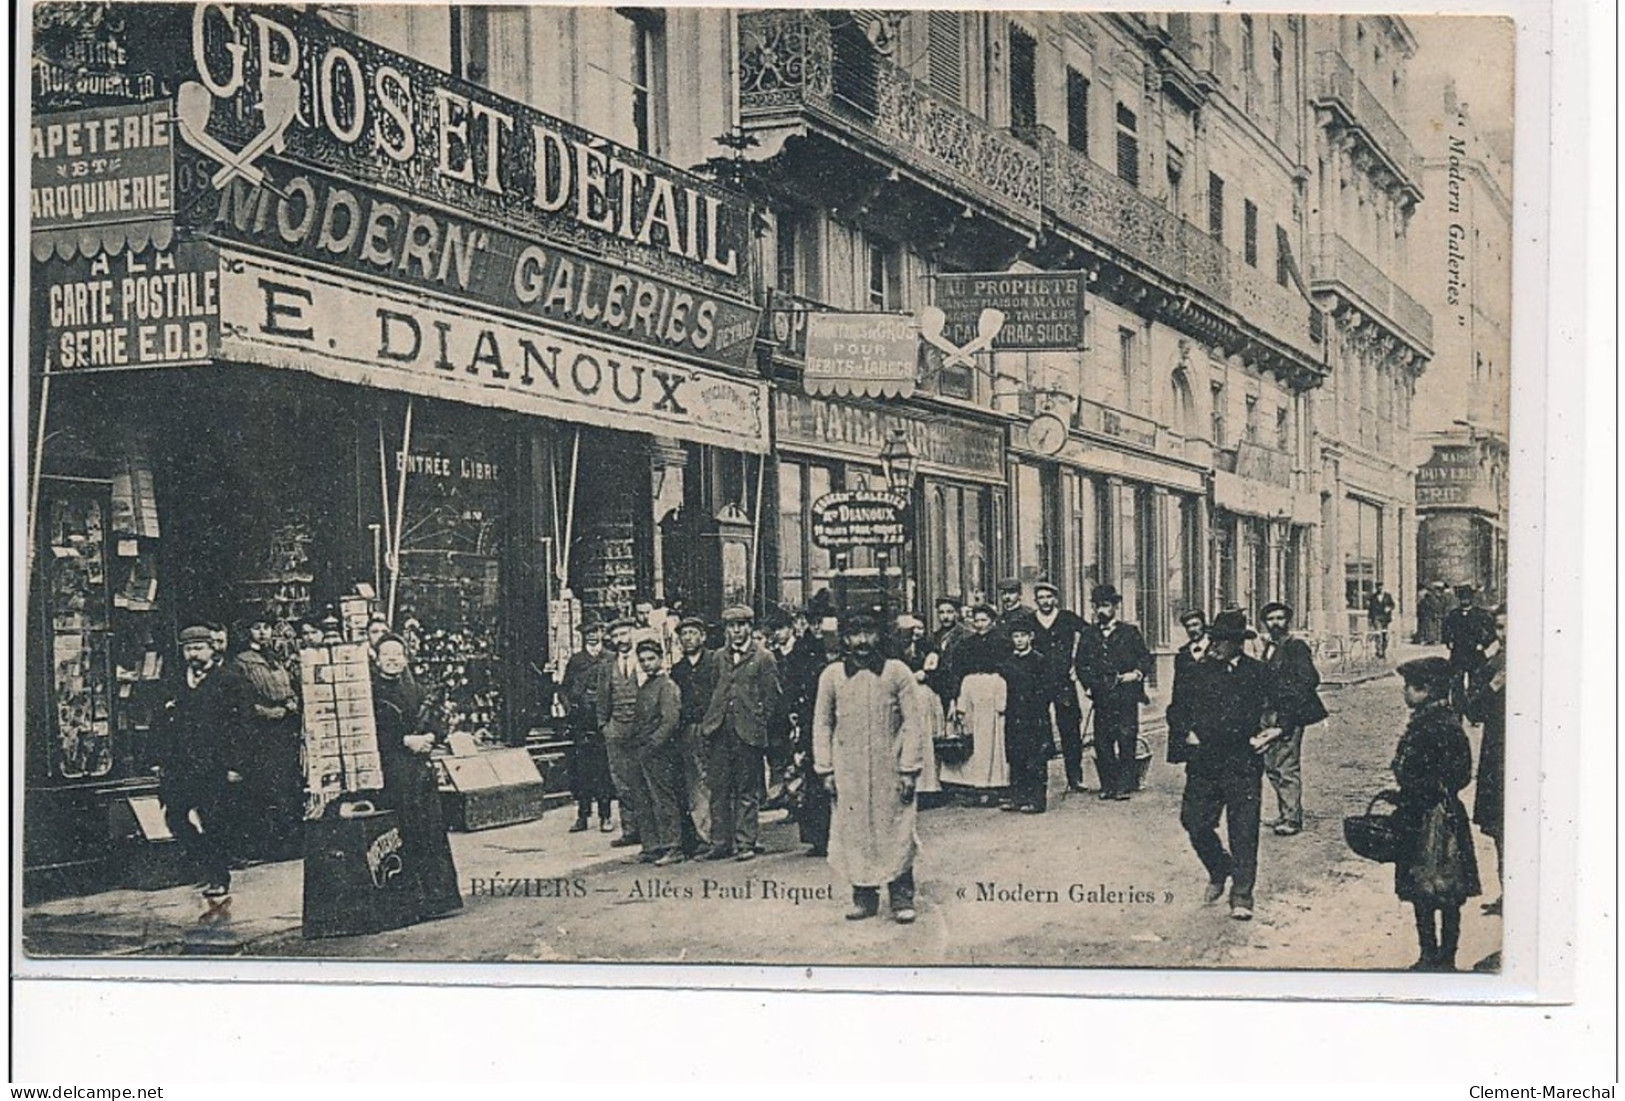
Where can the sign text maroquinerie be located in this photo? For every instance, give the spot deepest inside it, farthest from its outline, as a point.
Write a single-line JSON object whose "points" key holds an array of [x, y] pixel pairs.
{"points": [[382, 118]]}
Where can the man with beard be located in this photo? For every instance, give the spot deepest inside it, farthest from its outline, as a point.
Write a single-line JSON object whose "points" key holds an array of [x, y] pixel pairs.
{"points": [[1297, 706], [869, 744], [619, 679], [204, 705], [1113, 665], [1224, 715], [1186, 658], [1056, 635], [695, 673], [746, 703], [271, 800], [589, 762]]}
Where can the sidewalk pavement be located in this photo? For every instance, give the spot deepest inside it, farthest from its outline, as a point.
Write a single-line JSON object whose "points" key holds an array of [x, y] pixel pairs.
{"points": [[266, 899]]}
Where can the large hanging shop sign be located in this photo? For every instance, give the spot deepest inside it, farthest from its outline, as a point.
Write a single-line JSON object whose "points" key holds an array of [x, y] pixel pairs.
{"points": [[272, 80], [138, 308], [365, 231], [944, 445], [1042, 311], [341, 328], [110, 164], [861, 354]]}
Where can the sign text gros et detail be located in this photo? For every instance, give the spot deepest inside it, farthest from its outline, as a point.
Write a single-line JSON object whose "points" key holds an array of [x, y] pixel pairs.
{"points": [[462, 139]]}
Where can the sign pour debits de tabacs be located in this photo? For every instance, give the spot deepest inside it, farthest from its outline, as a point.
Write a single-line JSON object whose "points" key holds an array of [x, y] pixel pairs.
{"points": [[423, 178]]}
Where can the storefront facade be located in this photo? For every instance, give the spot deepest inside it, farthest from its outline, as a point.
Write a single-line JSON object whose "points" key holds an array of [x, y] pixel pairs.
{"points": [[460, 373]]}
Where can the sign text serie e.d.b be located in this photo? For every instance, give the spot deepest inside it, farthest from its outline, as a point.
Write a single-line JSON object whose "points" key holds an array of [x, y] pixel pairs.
{"points": [[379, 117]]}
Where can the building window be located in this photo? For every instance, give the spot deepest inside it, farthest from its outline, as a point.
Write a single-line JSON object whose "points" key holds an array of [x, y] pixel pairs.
{"points": [[1127, 351], [1077, 110], [784, 253], [884, 275], [1128, 146], [470, 42], [1174, 162], [1277, 71], [1023, 82], [945, 55], [1247, 44], [804, 567], [1249, 232], [1283, 430], [1283, 257], [1362, 550], [1252, 419], [1215, 206], [1219, 434]]}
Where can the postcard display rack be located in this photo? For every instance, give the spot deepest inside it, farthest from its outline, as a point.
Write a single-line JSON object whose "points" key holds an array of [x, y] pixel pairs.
{"points": [[341, 736]]}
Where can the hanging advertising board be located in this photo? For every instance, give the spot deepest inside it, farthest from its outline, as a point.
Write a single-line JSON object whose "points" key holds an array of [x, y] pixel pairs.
{"points": [[1043, 311], [859, 518]]}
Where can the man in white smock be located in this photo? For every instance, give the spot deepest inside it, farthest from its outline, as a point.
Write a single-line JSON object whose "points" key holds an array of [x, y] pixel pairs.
{"points": [[869, 745]]}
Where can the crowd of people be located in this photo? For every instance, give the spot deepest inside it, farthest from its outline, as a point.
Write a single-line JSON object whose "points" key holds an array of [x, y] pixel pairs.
{"points": [[850, 723], [229, 757]]}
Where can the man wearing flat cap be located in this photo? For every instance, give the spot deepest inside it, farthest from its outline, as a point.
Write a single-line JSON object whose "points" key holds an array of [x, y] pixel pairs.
{"points": [[1010, 609], [695, 673], [1297, 706], [1226, 716], [744, 707], [204, 706], [1113, 665], [1057, 632], [619, 679]]}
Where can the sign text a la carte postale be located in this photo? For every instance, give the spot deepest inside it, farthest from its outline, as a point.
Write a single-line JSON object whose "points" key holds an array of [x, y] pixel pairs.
{"points": [[379, 118]]}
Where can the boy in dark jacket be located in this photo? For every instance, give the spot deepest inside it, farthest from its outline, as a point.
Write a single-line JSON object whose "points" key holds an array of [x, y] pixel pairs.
{"points": [[1029, 685]]}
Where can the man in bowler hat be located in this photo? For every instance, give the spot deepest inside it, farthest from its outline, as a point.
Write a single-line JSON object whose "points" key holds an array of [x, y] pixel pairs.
{"points": [[1113, 665], [1225, 715]]}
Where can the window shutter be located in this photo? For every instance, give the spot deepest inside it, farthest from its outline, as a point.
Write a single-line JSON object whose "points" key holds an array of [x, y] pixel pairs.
{"points": [[1128, 146], [945, 44], [1215, 205], [1077, 110], [1023, 81], [1249, 232]]}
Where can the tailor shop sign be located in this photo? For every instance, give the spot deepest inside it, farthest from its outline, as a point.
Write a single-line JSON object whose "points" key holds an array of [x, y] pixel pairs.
{"points": [[147, 308], [371, 335], [273, 80], [369, 233]]}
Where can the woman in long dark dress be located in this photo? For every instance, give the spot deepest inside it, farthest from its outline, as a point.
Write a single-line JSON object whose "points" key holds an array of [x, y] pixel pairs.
{"points": [[1487, 704], [1432, 763], [406, 735]]}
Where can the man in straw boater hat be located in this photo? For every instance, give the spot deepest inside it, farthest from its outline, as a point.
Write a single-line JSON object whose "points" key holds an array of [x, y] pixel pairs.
{"points": [[745, 705], [1226, 715], [1113, 665], [869, 746], [203, 708]]}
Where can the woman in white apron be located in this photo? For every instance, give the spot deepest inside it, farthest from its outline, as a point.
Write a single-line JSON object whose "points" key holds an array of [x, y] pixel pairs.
{"points": [[979, 702]]}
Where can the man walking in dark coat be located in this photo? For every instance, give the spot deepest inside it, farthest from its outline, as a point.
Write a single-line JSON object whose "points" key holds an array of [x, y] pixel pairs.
{"points": [[1379, 614], [695, 673], [1057, 632], [1468, 632], [1297, 705], [589, 765], [1113, 665], [1186, 658], [1029, 691], [1224, 715], [747, 701], [205, 706]]}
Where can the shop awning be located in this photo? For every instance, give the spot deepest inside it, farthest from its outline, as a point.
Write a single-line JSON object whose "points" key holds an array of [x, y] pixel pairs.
{"points": [[67, 242]]}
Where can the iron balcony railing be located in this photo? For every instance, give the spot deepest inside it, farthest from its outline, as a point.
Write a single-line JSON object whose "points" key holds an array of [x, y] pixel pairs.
{"points": [[1337, 86], [1093, 200], [1341, 268], [821, 63]]}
